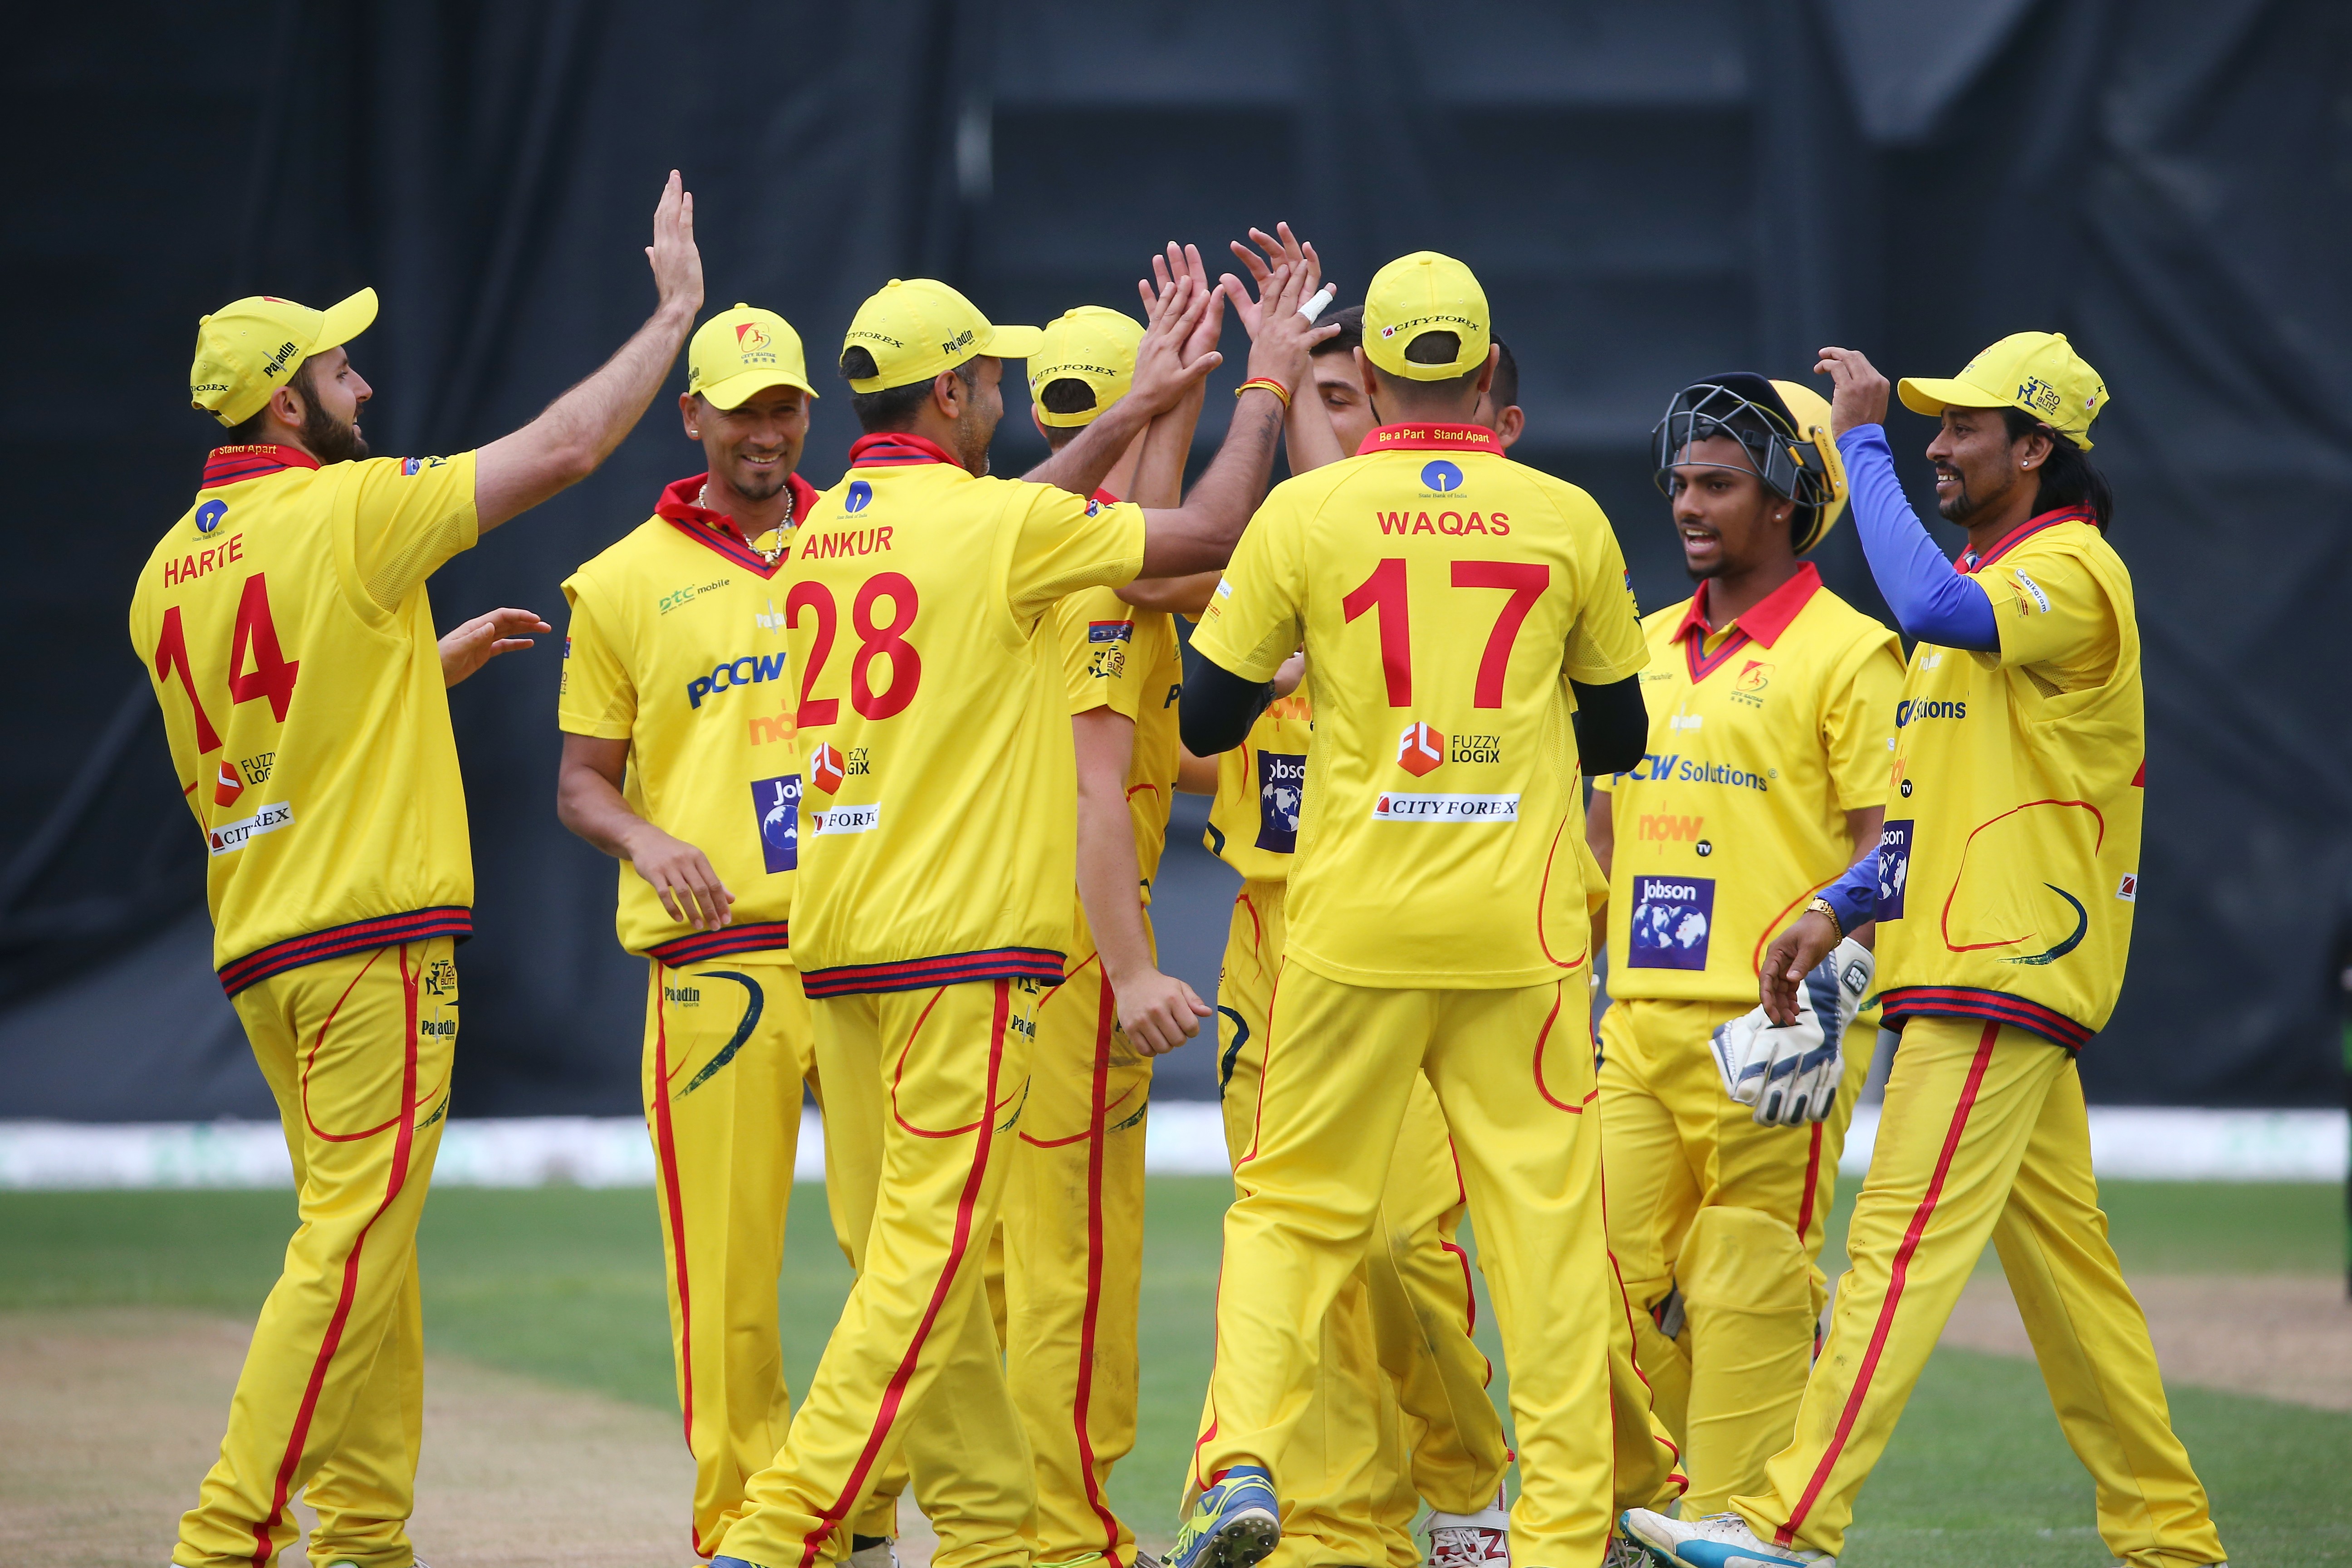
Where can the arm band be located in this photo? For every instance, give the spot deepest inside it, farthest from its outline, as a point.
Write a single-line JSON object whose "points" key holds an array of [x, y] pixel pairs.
{"points": [[1932, 600], [1218, 707], [1612, 725]]}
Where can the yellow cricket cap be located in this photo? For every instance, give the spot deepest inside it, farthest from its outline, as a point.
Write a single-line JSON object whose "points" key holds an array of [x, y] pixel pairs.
{"points": [[739, 352], [247, 349], [2039, 373], [1425, 292], [915, 328], [1092, 344], [1811, 413]]}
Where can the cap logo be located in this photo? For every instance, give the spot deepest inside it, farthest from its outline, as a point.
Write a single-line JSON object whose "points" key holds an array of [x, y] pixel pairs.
{"points": [[2036, 393], [1442, 476], [963, 339], [276, 362], [748, 336], [1388, 332]]}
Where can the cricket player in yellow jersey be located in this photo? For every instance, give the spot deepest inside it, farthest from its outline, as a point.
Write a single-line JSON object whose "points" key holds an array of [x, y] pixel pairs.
{"points": [[2003, 891], [1073, 1220], [1771, 705], [933, 902], [677, 761], [1446, 598], [285, 623]]}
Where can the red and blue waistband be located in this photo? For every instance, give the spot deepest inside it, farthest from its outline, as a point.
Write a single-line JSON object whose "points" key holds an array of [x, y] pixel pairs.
{"points": [[748, 936], [341, 942], [1040, 963], [1906, 1002]]}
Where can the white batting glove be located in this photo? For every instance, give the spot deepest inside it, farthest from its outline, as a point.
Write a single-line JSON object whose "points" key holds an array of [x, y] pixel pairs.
{"points": [[1790, 1073]]}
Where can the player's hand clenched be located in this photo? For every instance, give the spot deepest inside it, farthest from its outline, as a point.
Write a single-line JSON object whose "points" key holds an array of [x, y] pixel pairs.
{"points": [[682, 875], [1158, 1011]]}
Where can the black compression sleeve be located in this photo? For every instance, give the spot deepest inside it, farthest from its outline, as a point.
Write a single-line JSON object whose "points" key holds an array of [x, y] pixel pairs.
{"points": [[1613, 727], [1218, 707]]}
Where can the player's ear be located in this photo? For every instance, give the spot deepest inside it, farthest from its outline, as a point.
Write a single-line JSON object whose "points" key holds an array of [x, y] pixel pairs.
{"points": [[947, 392], [1486, 375], [1364, 374]]}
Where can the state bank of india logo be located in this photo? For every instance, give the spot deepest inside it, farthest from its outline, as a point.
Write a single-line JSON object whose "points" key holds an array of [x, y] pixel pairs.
{"points": [[860, 495], [1442, 477]]}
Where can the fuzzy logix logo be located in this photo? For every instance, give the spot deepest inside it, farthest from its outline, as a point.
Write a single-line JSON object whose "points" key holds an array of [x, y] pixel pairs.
{"points": [[825, 768], [1420, 749]]}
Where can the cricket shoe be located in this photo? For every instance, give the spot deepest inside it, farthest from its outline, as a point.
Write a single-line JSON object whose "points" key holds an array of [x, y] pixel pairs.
{"points": [[1718, 1541], [1623, 1553], [883, 1554], [1237, 1524], [1470, 1540]]}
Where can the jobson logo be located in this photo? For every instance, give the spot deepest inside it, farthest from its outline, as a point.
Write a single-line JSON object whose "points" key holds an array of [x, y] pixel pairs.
{"points": [[1672, 919], [1893, 868], [1281, 790], [860, 493], [209, 515], [1442, 476], [777, 803]]}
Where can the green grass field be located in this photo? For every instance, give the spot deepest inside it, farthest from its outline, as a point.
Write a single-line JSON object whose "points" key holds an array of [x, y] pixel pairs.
{"points": [[565, 1285]]}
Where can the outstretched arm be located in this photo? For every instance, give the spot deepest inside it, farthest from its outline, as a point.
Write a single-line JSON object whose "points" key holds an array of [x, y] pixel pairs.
{"points": [[579, 430], [1307, 430]]}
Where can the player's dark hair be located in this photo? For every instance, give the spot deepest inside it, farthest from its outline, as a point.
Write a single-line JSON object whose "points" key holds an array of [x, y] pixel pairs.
{"points": [[253, 429], [893, 407], [1505, 389], [1350, 335], [2068, 477], [1434, 348], [1066, 395]]}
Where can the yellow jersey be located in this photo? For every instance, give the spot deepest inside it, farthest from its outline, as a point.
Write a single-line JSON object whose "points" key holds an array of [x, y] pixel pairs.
{"points": [[2017, 792], [1442, 593], [1262, 791], [1116, 657], [1764, 734], [677, 646], [284, 622], [940, 799]]}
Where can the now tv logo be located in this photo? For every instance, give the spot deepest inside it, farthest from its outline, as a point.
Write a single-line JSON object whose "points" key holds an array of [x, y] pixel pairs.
{"points": [[1667, 827]]}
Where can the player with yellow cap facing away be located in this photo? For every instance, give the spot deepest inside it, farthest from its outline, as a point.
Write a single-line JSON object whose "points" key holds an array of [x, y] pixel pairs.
{"points": [[2003, 889], [1772, 702], [1448, 599], [285, 623], [932, 907], [677, 761]]}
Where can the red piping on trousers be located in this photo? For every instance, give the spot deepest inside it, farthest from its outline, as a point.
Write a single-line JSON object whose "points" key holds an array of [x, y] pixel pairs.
{"points": [[1813, 1182], [1106, 1020], [401, 1143], [1102, 1112], [1559, 996], [896, 1392], [1853, 1411], [666, 1149]]}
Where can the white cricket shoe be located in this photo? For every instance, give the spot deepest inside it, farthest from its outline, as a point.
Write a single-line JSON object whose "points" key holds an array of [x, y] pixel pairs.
{"points": [[1623, 1553], [1718, 1541], [1470, 1541], [881, 1554]]}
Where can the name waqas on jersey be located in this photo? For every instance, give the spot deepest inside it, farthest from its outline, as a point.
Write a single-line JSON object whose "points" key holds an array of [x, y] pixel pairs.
{"points": [[749, 670], [1494, 523]]}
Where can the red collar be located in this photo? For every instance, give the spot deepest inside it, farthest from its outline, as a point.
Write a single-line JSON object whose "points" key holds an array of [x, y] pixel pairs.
{"points": [[234, 464], [897, 448], [1971, 563], [677, 507], [1764, 620], [1104, 497], [1430, 438]]}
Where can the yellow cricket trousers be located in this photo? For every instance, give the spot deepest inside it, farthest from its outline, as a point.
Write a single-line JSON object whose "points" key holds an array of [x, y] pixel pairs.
{"points": [[933, 1080], [1704, 1202], [726, 1051], [1983, 1135], [1513, 1072], [331, 1403], [1074, 1262]]}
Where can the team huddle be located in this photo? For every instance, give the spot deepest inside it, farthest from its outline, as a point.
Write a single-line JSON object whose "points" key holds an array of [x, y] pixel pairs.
{"points": [[888, 769]]}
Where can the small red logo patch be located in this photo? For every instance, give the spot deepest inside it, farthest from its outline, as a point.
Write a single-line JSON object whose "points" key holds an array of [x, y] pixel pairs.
{"points": [[1420, 749], [825, 768], [228, 787]]}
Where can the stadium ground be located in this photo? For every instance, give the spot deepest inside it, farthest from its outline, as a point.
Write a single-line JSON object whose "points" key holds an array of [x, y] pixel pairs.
{"points": [[553, 1435]]}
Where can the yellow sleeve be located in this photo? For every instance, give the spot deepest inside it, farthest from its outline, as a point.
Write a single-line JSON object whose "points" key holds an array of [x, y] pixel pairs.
{"points": [[1062, 544], [2054, 617], [596, 697], [1858, 723], [411, 515], [1606, 644], [1096, 633], [1256, 618]]}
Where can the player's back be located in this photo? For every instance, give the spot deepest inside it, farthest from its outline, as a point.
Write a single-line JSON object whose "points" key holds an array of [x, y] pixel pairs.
{"points": [[309, 724], [934, 734], [1442, 593]]}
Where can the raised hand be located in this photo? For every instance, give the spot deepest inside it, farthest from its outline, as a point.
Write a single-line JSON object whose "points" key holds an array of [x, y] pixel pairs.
{"points": [[1282, 345], [1177, 351], [676, 263], [473, 644], [1859, 391], [1282, 248]]}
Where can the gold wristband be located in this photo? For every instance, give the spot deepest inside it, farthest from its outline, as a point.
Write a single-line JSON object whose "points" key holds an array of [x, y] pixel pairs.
{"points": [[1269, 385], [1823, 907]]}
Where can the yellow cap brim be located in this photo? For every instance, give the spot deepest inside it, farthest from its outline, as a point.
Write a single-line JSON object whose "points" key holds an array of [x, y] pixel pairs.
{"points": [[340, 323], [1012, 342], [1932, 395], [732, 392]]}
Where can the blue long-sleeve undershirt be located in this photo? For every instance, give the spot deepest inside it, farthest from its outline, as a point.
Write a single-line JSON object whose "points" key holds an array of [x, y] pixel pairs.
{"points": [[1855, 896], [1930, 598]]}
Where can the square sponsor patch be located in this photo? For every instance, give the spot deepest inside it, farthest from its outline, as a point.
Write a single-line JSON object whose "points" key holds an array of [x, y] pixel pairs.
{"points": [[1281, 790], [776, 805], [1673, 917], [1893, 868]]}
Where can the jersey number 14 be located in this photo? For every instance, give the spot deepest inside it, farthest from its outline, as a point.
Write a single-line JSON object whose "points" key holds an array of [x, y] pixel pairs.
{"points": [[269, 676]]}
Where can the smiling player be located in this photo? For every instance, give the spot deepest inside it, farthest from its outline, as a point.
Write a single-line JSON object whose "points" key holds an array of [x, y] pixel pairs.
{"points": [[1770, 702]]}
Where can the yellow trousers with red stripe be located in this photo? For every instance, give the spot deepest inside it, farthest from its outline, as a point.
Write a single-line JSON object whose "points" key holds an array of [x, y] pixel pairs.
{"points": [[1398, 1411], [1074, 1262], [1983, 1136], [923, 1089], [726, 1051], [331, 1403], [1704, 1201], [1513, 1072]]}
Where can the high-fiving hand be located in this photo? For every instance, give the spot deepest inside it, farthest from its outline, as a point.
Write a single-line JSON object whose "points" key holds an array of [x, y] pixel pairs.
{"points": [[473, 644], [1182, 317], [676, 264]]}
